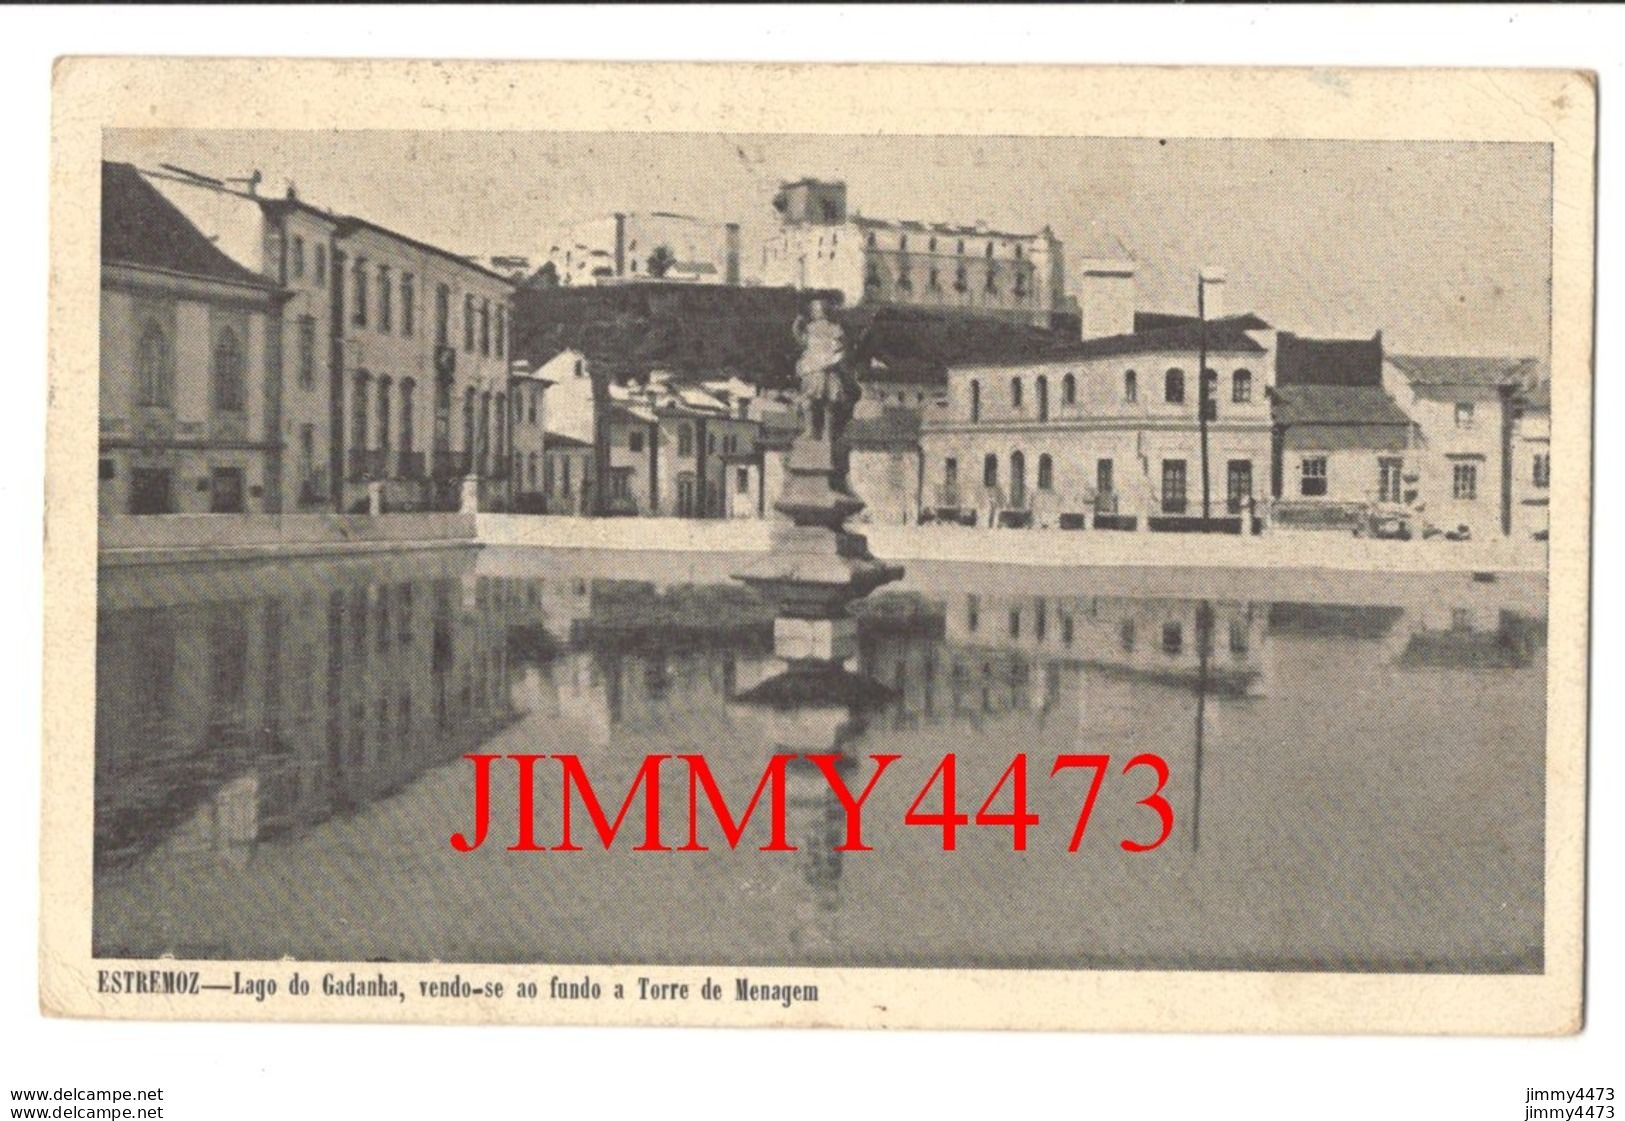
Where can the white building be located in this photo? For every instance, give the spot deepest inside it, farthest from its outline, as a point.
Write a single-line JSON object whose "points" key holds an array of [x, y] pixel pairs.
{"points": [[1103, 433], [396, 350], [1465, 409], [972, 269]]}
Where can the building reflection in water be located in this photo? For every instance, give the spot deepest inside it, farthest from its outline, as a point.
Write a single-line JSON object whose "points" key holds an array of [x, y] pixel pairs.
{"points": [[237, 704]]}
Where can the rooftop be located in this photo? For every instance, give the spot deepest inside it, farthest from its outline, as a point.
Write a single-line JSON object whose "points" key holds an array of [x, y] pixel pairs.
{"points": [[1345, 362], [1340, 417], [141, 227], [1441, 369]]}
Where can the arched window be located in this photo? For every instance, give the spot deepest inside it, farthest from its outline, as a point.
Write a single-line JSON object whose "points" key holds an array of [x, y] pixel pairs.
{"points": [[1046, 472], [1043, 397], [990, 471], [1131, 386], [1241, 386], [685, 439], [153, 383], [468, 421], [975, 400], [1173, 387], [228, 372], [1018, 477], [1069, 390], [1015, 393]]}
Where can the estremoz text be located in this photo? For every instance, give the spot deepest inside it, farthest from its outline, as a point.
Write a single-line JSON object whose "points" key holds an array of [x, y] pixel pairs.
{"points": [[575, 788]]}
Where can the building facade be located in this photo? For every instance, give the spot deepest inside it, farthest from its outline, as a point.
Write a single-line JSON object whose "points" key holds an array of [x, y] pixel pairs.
{"points": [[1465, 410], [191, 374], [1104, 433], [397, 386], [968, 269], [1532, 463], [1344, 449]]}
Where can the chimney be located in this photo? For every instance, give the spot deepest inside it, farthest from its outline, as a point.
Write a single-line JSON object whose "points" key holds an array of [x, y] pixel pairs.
{"points": [[1212, 281], [1106, 297]]}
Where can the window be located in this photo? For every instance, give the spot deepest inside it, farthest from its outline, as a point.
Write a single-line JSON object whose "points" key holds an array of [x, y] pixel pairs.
{"points": [[1125, 636], [442, 315], [950, 473], [154, 386], [359, 270], [1239, 488], [1313, 482], [485, 326], [1238, 637], [358, 414], [297, 261], [383, 414], [1046, 472], [975, 400], [1464, 414], [1015, 393], [386, 301], [1241, 387], [407, 414], [1388, 478], [973, 613], [1464, 481], [468, 322], [468, 421], [936, 280], [872, 278], [1543, 470], [321, 263], [1173, 387], [307, 450], [1131, 386], [502, 330], [904, 282], [634, 441], [1043, 398], [533, 395], [961, 282], [1069, 390], [990, 250], [307, 352], [742, 480], [408, 305], [990, 471], [1461, 619], [1103, 477], [685, 439], [228, 372], [1173, 486], [1020, 281], [992, 283], [1173, 638]]}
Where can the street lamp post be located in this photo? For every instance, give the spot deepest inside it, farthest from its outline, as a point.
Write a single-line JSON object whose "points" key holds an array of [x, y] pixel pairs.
{"points": [[1202, 389]]}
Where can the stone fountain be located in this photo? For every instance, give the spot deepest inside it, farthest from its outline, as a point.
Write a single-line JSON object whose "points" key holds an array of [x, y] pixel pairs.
{"points": [[815, 568]]}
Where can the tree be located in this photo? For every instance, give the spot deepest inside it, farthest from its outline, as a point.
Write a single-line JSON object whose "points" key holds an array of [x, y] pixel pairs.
{"points": [[661, 261]]}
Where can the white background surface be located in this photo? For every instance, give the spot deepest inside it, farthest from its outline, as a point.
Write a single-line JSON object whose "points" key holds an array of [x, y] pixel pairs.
{"points": [[248, 1071]]}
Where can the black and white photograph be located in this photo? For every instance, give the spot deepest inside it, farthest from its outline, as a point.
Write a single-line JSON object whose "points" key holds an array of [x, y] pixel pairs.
{"points": [[593, 574]]}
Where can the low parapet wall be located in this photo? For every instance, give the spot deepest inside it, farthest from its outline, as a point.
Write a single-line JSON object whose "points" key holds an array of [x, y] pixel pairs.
{"points": [[1045, 547], [130, 539]]}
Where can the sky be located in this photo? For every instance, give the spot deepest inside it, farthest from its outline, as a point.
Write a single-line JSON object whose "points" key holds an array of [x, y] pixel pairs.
{"points": [[1444, 247]]}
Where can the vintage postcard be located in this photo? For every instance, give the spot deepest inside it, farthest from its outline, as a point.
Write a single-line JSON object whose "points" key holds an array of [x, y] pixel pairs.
{"points": [[1042, 547]]}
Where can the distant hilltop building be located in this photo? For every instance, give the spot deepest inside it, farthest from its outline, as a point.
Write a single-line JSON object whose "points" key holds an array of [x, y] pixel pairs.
{"points": [[970, 269], [652, 247]]}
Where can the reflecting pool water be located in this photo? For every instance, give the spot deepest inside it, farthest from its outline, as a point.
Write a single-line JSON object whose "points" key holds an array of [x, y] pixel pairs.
{"points": [[1355, 766]]}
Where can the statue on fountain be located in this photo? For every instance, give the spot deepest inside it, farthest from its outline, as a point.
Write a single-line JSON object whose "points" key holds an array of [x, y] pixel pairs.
{"points": [[815, 566], [827, 390]]}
